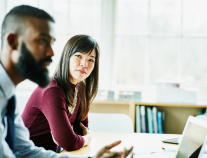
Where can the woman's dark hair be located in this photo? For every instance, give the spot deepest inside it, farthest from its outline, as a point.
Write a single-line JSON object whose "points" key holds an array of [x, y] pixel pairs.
{"points": [[87, 88]]}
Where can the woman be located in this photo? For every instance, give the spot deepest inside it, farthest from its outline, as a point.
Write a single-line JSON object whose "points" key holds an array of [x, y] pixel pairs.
{"points": [[57, 114]]}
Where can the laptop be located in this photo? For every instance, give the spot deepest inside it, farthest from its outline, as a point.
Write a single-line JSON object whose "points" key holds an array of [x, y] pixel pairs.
{"points": [[172, 141], [193, 140]]}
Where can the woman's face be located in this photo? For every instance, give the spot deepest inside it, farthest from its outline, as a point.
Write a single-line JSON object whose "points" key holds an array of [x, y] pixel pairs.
{"points": [[81, 66]]}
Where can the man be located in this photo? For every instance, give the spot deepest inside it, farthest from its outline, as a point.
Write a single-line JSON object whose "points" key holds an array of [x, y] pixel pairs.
{"points": [[27, 35]]}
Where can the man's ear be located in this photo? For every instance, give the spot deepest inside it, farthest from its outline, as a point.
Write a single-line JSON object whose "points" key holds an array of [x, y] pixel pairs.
{"points": [[12, 40]]}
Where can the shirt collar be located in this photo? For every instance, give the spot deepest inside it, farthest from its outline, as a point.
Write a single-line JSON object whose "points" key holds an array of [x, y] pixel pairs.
{"points": [[72, 86], [6, 83]]}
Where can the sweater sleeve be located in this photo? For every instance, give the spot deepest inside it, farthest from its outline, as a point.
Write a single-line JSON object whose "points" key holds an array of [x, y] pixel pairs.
{"points": [[77, 128], [53, 107]]}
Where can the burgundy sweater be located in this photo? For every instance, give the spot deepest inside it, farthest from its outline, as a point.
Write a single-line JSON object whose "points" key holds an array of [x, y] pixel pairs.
{"points": [[46, 112]]}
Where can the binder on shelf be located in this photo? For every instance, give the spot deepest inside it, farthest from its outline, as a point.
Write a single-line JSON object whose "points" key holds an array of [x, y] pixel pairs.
{"points": [[163, 122], [146, 120], [143, 124], [138, 119], [154, 110], [159, 122], [153, 130], [150, 120]]}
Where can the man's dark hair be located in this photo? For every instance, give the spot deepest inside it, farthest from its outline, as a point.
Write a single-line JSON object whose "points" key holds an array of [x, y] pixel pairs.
{"points": [[15, 20]]}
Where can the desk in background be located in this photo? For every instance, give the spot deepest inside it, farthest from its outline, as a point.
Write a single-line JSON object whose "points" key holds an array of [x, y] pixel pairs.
{"points": [[140, 141]]}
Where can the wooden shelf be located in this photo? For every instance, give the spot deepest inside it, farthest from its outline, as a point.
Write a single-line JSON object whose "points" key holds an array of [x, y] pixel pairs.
{"points": [[172, 105], [176, 114]]}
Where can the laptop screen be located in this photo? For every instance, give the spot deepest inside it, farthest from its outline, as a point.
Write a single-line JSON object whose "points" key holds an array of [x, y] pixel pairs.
{"points": [[193, 137]]}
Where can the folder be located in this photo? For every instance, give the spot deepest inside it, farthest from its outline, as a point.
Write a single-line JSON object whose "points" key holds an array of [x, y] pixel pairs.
{"points": [[154, 110], [138, 119]]}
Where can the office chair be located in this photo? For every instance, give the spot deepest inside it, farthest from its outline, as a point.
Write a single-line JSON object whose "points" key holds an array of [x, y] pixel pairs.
{"points": [[110, 122]]}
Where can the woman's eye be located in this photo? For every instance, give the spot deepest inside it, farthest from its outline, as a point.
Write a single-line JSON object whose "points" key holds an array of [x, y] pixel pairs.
{"points": [[91, 60], [78, 56]]}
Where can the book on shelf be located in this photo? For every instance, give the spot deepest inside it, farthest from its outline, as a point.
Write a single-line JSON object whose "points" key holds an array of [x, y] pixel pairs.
{"points": [[163, 122], [146, 120], [138, 119], [150, 120], [159, 122], [153, 129], [143, 122], [154, 109]]}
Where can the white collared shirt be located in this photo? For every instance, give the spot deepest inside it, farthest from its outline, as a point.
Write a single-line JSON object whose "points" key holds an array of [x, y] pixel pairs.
{"points": [[24, 147]]}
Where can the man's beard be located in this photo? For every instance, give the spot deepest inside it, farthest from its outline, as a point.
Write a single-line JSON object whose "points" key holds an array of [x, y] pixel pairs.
{"points": [[29, 68]]}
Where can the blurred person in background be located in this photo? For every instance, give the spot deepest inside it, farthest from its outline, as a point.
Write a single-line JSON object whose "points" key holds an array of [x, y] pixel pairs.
{"points": [[27, 35], [58, 114]]}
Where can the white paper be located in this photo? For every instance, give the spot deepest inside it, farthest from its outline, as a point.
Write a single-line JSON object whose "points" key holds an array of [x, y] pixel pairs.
{"points": [[160, 154]]}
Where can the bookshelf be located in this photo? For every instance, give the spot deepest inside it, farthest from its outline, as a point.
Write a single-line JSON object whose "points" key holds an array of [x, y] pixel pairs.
{"points": [[176, 114]]}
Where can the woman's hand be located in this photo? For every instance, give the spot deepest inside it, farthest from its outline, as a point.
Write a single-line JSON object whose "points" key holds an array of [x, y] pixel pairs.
{"points": [[106, 153], [86, 134]]}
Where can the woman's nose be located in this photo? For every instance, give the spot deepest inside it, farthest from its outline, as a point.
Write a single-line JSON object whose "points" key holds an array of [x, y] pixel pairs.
{"points": [[84, 63]]}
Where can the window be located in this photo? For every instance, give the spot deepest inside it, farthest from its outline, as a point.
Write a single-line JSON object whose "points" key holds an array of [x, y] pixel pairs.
{"points": [[161, 39], [141, 41], [71, 17]]}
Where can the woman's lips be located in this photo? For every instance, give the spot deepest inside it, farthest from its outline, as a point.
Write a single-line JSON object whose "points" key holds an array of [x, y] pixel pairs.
{"points": [[82, 72]]}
